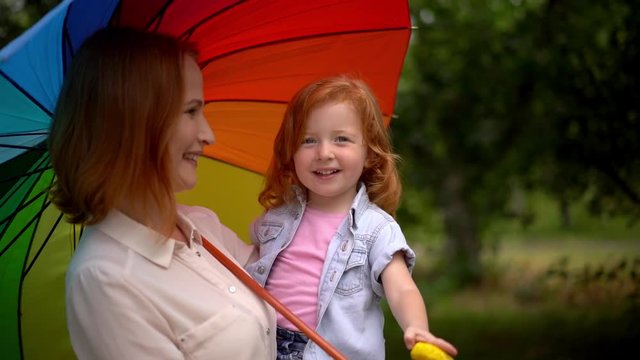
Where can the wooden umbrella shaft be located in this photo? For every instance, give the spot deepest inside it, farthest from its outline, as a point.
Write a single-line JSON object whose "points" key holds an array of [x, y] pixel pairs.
{"points": [[264, 294]]}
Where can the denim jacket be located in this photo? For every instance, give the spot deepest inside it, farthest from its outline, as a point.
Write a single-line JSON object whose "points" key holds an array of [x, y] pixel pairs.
{"points": [[349, 313]]}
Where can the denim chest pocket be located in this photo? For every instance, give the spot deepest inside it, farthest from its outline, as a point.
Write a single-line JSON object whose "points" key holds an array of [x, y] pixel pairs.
{"points": [[352, 280], [268, 231]]}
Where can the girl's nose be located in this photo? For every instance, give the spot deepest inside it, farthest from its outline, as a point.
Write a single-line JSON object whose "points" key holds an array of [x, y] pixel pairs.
{"points": [[325, 151]]}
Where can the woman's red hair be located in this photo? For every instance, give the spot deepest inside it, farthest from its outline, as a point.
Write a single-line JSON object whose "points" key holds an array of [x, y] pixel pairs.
{"points": [[380, 174], [117, 108]]}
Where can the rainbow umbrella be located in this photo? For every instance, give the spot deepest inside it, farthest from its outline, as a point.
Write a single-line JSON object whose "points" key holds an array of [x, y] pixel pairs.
{"points": [[254, 56]]}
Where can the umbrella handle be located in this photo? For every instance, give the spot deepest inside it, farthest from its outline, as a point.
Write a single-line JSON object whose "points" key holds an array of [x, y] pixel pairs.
{"points": [[264, 294]]}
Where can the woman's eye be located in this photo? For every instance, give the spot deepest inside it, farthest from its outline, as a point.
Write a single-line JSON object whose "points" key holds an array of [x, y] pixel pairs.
{"points": [[193, 111]]}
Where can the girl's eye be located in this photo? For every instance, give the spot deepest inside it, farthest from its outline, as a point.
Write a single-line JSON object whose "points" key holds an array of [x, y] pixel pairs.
{"points": [[307, 141], [342, 139]]}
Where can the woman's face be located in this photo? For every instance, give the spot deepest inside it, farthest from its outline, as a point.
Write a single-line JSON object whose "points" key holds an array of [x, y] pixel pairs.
{"points": [[192, 132]]}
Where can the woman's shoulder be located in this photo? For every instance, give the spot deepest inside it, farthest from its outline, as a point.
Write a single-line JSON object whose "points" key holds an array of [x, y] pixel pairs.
{"points": [[197, 212], [97, 253]]}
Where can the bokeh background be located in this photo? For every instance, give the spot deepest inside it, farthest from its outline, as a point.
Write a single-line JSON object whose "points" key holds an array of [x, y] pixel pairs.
{"points": [[518, 123]]}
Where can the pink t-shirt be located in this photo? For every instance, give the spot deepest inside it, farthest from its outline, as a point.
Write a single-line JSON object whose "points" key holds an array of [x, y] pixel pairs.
{"points": [[295, 276]]}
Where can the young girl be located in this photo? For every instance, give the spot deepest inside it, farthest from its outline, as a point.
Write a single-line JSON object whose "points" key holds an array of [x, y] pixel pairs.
{"points": [[329, 248]]}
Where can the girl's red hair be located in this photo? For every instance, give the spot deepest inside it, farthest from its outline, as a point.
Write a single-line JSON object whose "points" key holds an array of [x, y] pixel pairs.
{"points": [[380, 174]]}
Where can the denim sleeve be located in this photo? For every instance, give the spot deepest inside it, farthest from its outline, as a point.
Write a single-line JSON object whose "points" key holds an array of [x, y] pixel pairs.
{"points": [[386, 243]]}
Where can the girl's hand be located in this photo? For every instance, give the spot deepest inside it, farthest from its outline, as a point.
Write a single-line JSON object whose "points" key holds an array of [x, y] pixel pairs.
{"points": [[418, 337], [426, 351]]}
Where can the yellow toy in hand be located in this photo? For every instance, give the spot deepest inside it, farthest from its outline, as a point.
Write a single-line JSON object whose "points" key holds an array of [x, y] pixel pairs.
{"points": [[426, 351]]}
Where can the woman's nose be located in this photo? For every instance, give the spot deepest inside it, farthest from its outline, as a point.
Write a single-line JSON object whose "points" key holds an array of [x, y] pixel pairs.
{"points": [[205, 134]]}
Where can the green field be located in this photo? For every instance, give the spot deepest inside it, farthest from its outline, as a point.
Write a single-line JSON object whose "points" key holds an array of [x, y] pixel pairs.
{"points": [[561, 298]]}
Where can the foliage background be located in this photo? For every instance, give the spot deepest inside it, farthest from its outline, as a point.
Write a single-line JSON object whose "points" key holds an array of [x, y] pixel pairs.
{"points": [[503, 99], [518, 125]]}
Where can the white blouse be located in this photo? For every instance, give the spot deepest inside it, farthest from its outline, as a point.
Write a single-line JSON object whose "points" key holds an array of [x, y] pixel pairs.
{"points": [[130, 294]]}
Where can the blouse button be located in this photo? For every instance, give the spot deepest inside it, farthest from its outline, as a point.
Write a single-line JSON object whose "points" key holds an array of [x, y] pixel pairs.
{"points": [[268, 331], [261, 270], [232, 289], [344, 246]]}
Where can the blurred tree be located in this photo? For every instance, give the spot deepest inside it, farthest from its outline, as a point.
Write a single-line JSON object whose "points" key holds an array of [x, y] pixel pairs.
{"points": [[591, 92], [501, 96], [18, 15]]}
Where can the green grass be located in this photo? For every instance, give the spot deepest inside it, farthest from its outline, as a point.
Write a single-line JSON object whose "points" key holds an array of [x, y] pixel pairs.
{"points": [[549, 292], [551, 333], [561, 298], [545, 221]]}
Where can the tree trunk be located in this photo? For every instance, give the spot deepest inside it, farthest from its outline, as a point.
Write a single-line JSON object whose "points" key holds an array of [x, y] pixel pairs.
{"points": [[462, 246], [565, 213]]}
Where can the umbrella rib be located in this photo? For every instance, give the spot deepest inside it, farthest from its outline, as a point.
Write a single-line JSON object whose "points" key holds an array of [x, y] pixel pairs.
{"points": [[26, 94], [187, 33], [115, 17], [24, 228], [299, 38], [38, 170], [28, 202], [159, 16], [26, 174], [66, 45], [22, 277], [23, 134], [24, 147], [76, 236], [22, 206], [44, 243]]}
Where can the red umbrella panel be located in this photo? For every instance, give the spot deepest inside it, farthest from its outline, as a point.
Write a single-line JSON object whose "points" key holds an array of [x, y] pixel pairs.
{"points": [[254, 56]]}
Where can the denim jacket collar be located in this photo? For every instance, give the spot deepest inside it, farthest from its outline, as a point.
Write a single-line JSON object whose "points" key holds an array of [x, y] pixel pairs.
{"points": [[358, 206]]}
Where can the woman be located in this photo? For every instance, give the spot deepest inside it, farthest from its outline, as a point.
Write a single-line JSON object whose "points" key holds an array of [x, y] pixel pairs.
{"points": [[126, 135]]}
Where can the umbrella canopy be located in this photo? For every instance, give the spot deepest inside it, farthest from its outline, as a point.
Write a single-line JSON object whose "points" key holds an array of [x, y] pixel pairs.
{"points": [[254, 56]]}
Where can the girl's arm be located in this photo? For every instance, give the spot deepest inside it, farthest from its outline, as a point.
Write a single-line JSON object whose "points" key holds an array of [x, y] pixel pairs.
{"points": [[407, 305]]}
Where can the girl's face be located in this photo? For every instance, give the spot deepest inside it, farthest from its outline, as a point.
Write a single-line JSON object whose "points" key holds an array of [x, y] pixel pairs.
{"points": [[192, 132], [332, 156]]}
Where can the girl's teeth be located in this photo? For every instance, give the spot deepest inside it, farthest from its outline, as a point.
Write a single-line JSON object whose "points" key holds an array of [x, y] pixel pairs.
{"points": [[326, 172]]}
